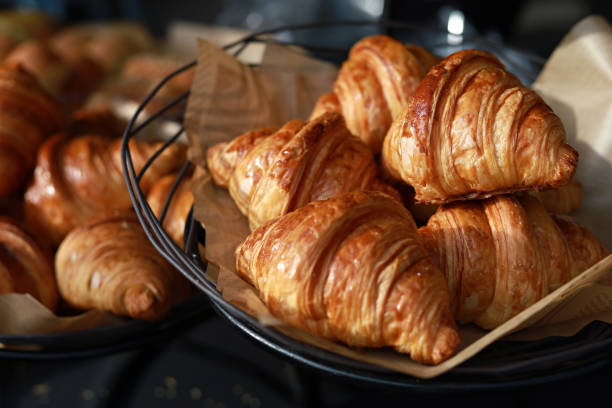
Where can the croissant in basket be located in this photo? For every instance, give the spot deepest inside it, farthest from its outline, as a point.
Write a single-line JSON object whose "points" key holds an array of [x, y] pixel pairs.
{"points": [[271, 172], [502, 254], [374, 84], [471, 129], [178, 208], [41, 61], [78, 177], [25, 265], [109, 264], [352, 268], [28, 114]]}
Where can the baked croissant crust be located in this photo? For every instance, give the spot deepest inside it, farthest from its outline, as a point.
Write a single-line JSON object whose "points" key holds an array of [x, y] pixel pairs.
{"points": [[272, 172], [471, 129], [374, 84], [109, 264], [178, 209], [352, 268], [502, 254], [25, 266], [27, 116], [78, 177]]}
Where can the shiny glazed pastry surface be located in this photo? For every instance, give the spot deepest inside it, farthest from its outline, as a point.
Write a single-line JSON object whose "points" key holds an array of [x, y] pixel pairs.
{"points": [[109, 264], [502, 254], [271, 172], [28, 114], [352, 268], [472, 130], [374, 84], [80, 176], [25, 267]]}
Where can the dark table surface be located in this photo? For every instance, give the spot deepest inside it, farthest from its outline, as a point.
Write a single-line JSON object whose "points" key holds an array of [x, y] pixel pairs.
{"points": [[213, 364]]}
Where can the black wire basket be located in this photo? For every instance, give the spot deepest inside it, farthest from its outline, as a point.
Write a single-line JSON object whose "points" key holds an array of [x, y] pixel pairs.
{"points": [[503, 364]]}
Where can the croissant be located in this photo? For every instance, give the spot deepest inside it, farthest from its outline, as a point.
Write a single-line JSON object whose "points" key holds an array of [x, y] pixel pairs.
{"points": [[374, 84], [352, 268], [27, 116], [270, 173], [178, 209], [472, 130], [502, 254], [25, 266], [40, 60], [109, 264], [78, 177], [561, 200]]}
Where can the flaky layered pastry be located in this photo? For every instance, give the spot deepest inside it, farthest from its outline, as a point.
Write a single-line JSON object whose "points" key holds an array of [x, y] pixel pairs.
{"points": [[271, 172], [471, 130], [109, 264], [79, 176], [352, 268], [25, 266], [28, 114], [500, 255], [374, 84]]}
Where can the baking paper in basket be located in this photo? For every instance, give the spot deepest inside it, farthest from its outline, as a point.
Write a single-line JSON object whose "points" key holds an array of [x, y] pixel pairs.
{"points": [[562, 313]]}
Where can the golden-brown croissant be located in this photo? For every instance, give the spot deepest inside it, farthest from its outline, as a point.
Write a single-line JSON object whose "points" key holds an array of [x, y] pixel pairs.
{"points": [[178, 210], [352, 268], [28, 115], [502, 254], [107, 44], [561, 200], [271, 173], [374, 84], [109, 264], [25, 266], [78, 177], [471, 129], [42, 62]]}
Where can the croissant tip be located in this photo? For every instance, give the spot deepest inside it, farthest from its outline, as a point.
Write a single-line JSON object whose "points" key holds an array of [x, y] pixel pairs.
{"points": [[446, 344], [142, 303]]}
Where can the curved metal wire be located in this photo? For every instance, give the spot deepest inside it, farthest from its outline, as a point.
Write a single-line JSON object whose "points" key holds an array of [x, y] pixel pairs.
{"points": [[500, 359]]}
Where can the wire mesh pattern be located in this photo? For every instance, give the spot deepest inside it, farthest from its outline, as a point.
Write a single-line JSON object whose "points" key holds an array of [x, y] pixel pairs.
{"points": [[502, 364]]}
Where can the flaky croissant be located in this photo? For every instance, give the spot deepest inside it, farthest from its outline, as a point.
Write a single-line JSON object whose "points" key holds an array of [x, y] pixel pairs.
{"points": [[78, 177], [352, 268], [270, 173], [28, 114], [25, 266], [471, 129], [374, 84], [502, 254], [109, 264], [178, 209]]}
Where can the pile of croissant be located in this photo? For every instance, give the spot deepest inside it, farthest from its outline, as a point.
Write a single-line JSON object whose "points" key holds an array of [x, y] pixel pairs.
{"points": [[421, 193], [68, 234]]}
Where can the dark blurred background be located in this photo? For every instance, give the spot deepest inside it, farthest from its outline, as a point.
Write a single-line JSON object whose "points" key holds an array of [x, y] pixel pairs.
{"points": [[532, 25]]}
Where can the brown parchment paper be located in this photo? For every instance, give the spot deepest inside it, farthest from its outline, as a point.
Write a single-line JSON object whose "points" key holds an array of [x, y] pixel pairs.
{"points": [[586, 298]]}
